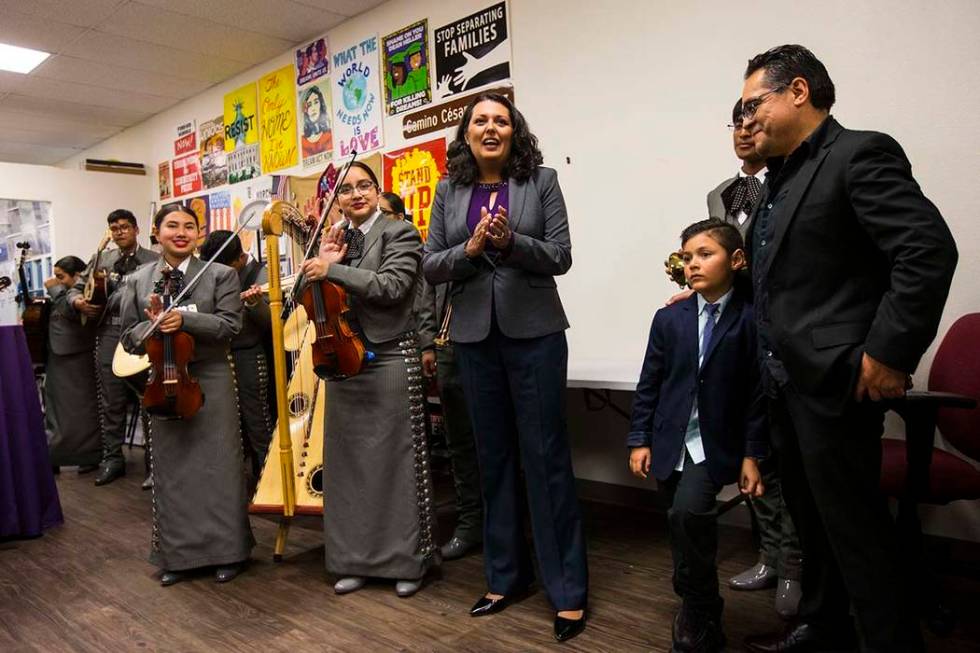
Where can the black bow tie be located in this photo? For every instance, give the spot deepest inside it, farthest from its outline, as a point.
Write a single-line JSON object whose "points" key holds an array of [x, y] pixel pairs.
{"points": [[125, 264], [355, 242], [745, 195], [170, 283]]}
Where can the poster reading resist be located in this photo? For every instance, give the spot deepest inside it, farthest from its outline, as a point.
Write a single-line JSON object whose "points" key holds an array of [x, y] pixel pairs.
{"points": [[316, 135], [277, 95], [406, 62], [412, 173], [472, 52], [242, 134], [356, 98]]}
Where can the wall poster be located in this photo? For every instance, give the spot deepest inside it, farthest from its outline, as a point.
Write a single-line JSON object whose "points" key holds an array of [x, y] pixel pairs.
{"points": [[356, 98], [472, 51], [277, 113], [406, 68], [163, 175], [214, 159], [187, 175], [316, 135], [242, 134], [412, 173], [312, 62]]}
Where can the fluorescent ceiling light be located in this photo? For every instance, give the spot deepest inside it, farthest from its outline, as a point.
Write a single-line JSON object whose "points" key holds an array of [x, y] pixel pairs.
{"points": [[20, 60]]}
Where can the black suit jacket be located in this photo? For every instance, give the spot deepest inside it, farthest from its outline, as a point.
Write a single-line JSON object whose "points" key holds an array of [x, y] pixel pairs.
{"points": [[861, 261], [731, 407]]}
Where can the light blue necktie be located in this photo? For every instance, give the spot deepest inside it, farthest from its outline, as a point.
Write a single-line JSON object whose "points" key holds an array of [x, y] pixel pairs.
{"points": [[709, 329]]}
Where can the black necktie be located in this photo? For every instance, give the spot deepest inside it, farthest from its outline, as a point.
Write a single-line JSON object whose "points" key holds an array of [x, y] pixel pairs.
{"points": [[354, 238]]}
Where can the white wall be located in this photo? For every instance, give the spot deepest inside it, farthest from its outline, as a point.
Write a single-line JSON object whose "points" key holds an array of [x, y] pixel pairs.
{"points": [[636, 95], [80, 202]]}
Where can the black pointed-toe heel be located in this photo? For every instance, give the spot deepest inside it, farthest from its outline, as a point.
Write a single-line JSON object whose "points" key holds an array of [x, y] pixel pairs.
{"points": [[565, 629], [485, 606]]}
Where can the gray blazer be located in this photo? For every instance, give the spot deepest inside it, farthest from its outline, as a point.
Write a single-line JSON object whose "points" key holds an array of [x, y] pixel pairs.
{"points": [[257, 322], [108, 260], [716, 207], [381, 284], [216, 297], [66, 335], [521, 286]]}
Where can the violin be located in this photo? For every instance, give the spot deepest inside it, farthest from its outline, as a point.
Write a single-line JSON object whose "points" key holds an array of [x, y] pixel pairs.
{"points": [[338, 352], [171, 392]]}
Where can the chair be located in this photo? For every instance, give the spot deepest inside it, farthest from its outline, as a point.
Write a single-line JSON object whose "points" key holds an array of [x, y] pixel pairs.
{"points": [[914, 472]]}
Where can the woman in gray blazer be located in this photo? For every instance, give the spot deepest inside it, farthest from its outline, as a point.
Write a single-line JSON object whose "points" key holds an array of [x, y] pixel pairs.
{"points": [[499, 234], [70, 400]]}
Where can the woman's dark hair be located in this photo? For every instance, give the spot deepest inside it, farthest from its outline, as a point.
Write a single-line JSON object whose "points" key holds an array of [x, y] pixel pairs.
{"points": [[171, 208], [215, 240], [784, 63], [322, 124], [397, 204], [71, 264], [121, 214], [724, 233], [367, 170], [525, 156]]}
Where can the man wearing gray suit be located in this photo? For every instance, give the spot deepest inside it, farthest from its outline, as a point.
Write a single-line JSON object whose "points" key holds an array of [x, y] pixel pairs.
{"points": [[114, 393], [733, 199]]}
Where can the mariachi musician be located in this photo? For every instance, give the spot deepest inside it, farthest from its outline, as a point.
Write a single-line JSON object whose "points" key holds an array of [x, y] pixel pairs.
{"points": [[200, 517], [378, 518], [114, 394]]}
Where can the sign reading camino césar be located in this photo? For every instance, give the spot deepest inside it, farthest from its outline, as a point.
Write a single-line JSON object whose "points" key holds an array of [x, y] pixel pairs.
{"points": [[443, 116]]}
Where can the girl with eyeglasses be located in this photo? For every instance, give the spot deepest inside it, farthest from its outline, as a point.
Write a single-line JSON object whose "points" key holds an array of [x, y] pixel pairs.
{"points": [[378, 518]]}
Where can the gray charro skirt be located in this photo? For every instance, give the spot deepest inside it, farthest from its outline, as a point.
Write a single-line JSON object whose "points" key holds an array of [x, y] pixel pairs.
{"points": [[378, 504], [200, 507]]}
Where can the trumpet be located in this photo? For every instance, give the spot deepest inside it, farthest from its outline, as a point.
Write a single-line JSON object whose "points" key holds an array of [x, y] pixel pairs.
{"points": [[675, 269]]}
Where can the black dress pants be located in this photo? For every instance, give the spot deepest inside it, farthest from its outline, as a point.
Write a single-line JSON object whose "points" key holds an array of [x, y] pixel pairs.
{"points": [[515, 390], [693, 520], [830, 463]]}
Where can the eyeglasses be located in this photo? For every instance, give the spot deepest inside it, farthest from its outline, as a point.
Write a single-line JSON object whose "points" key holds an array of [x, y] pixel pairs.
{"points": [[387, 212], [734, 127], [749, 108], [116, 229], [363, 187]]}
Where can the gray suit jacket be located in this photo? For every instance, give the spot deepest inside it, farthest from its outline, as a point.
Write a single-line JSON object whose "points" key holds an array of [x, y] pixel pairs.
{"points": [[66, 335], [108, 260], [216, 320], [258, 320], [716, 207], [381, 284], [521, 286]]}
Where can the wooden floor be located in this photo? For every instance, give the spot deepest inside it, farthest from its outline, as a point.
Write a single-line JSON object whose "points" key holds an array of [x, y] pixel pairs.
{"points": [[86, 586]]}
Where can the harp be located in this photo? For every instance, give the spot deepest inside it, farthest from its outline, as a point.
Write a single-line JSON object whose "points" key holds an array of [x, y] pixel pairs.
{"points": [[292, 482]]}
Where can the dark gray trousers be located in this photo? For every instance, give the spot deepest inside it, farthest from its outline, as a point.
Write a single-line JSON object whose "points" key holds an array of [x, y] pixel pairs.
{"points": [[778, 542], [462, 448], [693, 521]]}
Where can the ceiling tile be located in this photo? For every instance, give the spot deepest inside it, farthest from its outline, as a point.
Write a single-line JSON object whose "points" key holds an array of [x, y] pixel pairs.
{"points": [[193, 34], [70, 69], [82, 13], [11, 82], [55, 137], [37, 33], [40, 123], [287, 20], [151, 57], [36, 154], [344, 7], [99, 96], [42, 107]]}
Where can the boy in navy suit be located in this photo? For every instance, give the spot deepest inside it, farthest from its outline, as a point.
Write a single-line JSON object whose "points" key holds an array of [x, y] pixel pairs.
{"points": [[699, 419]]}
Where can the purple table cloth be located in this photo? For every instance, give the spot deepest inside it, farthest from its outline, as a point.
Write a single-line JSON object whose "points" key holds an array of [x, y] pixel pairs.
{"points": [[28, 496]]}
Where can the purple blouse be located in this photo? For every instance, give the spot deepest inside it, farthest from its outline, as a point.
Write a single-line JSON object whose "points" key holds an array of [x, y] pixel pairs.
{"points": [[480, 199]]}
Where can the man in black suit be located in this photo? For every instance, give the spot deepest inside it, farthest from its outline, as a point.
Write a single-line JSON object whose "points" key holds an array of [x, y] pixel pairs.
{"points": [[851, 267]]}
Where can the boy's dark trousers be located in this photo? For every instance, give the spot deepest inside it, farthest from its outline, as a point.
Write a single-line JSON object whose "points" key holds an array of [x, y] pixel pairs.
{"points": [[693, 520]]}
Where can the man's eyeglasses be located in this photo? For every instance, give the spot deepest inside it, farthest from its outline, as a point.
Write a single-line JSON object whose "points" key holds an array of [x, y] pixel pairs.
{"points": [[363, 187], [749, 108], [734, 127], [118, 229]]}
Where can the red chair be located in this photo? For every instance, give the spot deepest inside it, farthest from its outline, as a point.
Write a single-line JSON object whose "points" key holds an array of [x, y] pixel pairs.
{"points": [[914, 472]]}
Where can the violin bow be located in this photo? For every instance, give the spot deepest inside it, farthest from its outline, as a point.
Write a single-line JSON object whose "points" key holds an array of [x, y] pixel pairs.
{"points": [[318, 230]]}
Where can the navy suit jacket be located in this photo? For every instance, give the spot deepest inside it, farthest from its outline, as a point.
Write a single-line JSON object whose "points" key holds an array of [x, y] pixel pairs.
{"points": [[731, 406]]}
